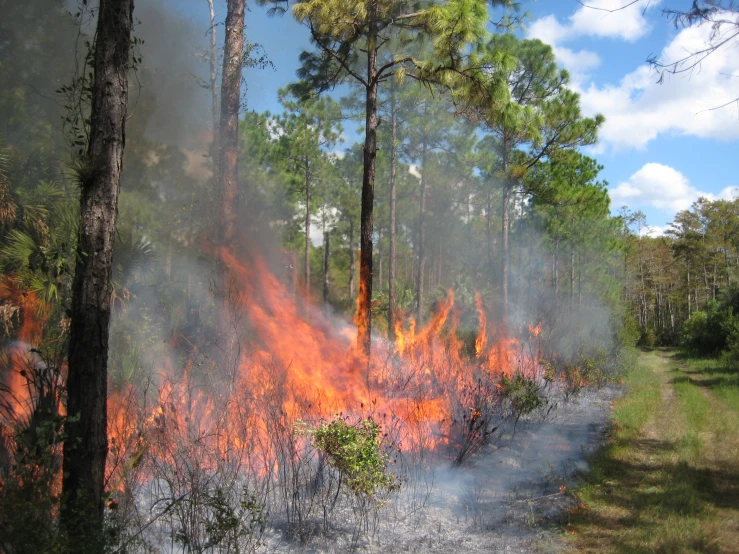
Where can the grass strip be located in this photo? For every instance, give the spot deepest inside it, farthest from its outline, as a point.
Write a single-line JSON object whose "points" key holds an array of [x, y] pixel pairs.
{"points": [[646, 490]]}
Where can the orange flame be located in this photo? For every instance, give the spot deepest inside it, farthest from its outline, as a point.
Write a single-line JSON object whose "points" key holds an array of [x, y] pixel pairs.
{"points": [[294, 370]]}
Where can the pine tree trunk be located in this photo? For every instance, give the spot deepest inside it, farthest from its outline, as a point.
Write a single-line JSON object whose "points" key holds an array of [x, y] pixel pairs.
{"points": [[421, 237], [364, 312], [392, 260], [86, 443], [228, 144]]}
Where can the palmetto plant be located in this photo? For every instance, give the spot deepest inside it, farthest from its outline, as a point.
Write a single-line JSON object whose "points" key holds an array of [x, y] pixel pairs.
{"points": [[39, 222]]}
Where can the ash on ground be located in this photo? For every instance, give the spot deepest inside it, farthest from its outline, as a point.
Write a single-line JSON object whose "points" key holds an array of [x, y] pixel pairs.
{"points": [[510, 498]]}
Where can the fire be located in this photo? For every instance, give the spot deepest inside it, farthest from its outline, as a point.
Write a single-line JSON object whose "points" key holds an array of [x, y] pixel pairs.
{"points": [[293, 364], [31, 312], [299, 367], [482, 337]]}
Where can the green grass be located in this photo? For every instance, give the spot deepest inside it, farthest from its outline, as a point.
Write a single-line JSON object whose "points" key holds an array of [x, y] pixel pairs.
{"points": [[721, 376], [664, 482], [633, 410]]}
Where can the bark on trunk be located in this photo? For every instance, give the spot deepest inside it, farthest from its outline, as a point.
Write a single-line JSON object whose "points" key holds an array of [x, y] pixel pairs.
{"points": [[364, 312], [392, 261], [421, 237], [228, 144], [86, 444]]}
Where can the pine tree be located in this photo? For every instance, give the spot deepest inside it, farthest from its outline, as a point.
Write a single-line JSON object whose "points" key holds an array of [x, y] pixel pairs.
{"points": [[350, 38], [86, 444]]}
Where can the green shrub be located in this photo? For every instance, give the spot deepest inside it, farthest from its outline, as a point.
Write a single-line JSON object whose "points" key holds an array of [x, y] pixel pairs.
{"points": [[627, 331], [648, 339], [523, 394], [357, 452], [707, 331]]}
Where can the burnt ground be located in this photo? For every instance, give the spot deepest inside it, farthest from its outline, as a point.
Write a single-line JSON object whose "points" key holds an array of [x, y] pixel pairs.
{"points": [[511, 498]]}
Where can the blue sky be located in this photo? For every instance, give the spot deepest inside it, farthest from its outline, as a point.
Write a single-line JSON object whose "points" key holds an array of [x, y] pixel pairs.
{"points": [[660, 147]]}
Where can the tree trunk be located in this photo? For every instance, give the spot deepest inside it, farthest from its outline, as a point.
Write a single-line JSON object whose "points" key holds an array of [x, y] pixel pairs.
{"points": [[364, 312], [307, 229], [392, 261], [86, 443], [421, 237], [228, 159]]}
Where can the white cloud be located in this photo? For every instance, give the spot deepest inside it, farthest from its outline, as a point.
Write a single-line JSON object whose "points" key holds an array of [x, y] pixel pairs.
{"points": [[653, 231], [548, 30], [627, 24], [577, 62], [663, 187], [639, 109]]}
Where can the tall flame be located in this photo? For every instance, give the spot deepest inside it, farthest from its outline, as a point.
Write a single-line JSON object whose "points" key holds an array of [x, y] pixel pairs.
{"points": [[299, 365]]}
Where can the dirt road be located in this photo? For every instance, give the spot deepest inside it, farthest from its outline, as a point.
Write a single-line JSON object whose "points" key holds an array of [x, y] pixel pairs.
{"points": [[670, 484]]}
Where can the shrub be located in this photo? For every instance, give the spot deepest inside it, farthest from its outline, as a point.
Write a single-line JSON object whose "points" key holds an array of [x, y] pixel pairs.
{"points": [[627, 331], [357, 452], [707, 332], [523, 394], [648, 339]]}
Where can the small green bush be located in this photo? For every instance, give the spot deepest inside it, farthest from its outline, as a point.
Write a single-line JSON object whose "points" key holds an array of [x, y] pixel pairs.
{"points": [[357, 452], [523, 393]]}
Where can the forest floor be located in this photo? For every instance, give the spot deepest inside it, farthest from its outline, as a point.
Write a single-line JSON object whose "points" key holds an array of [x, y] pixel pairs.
{"points": [[668, 478]]}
